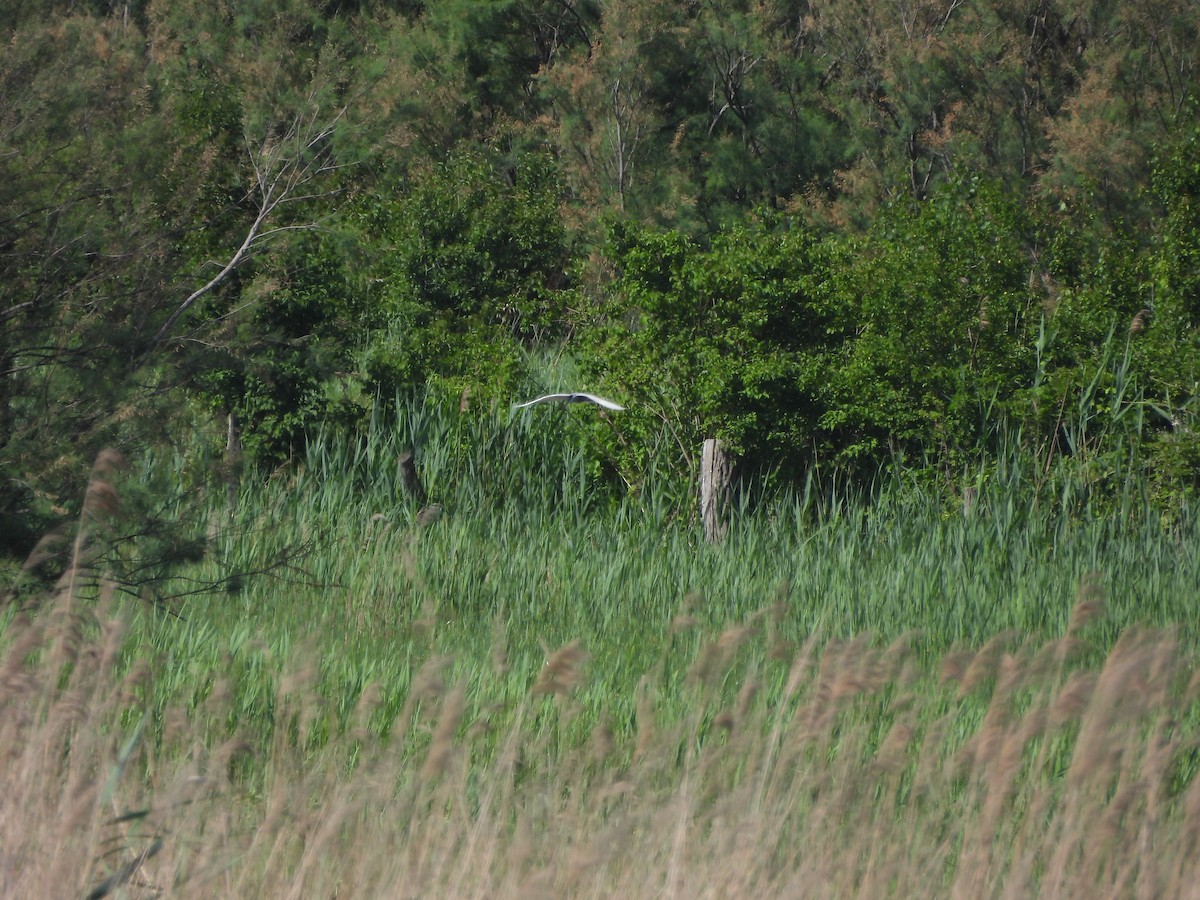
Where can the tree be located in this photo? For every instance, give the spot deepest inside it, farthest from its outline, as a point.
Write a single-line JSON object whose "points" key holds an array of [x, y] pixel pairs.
{"points": [[943, 316], [472, 265], [609, 103], [793, 346], [139, 181], [729, 342], [765, 135]]}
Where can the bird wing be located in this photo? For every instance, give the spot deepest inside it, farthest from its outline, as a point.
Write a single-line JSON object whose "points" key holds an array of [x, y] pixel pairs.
{"points": [[548, 398], [577, 397], [599, 401]]}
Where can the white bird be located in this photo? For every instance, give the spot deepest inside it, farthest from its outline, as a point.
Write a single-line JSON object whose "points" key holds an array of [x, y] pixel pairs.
{"points": [[570, 398]]}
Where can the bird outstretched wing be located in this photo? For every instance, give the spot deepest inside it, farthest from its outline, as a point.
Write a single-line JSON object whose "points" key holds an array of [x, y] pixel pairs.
{"points": [[577, 397]]}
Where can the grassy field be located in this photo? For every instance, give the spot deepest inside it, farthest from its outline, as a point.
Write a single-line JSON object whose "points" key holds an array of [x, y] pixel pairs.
{"points": [[549, 691]]}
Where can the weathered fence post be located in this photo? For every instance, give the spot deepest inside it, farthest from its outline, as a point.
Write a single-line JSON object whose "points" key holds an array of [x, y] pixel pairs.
{"points": [[413, 488], [716, 483], [970, 495], [233, 460]]}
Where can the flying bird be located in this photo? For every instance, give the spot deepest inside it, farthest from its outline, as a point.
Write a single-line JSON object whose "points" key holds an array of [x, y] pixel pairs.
{"points": [[570, 398]]}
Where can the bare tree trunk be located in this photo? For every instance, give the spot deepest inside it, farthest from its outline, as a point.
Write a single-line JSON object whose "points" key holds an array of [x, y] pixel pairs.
{"points": [[716, 484]]}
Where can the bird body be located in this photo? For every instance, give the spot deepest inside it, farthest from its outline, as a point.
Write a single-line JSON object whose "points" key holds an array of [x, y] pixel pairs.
{"points": [[578, 397]]}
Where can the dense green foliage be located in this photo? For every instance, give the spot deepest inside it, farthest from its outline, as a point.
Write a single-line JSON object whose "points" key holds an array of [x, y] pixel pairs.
{"points": [[471, 273], [829, 233]]}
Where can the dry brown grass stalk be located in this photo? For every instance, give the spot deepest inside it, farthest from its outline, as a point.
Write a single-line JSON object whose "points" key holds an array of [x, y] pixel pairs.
{"points": [[442, 746], [860, 776], [563, 671]]}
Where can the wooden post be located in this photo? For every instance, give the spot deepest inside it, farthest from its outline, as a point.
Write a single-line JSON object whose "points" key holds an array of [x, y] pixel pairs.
{"points": [[410, 479], [716, 482], [970, 495], [233, 460], [230, 471]]}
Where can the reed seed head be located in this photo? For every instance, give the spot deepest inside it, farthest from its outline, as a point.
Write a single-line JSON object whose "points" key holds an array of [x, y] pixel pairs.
{"points": [[563, 671]]}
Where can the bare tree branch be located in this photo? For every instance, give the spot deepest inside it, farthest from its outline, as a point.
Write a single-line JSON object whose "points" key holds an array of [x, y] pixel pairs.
{"points": [[282, 168]]}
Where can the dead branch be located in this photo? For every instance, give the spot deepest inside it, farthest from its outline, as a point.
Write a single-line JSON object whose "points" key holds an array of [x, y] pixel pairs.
{"points": [[285, 172]]}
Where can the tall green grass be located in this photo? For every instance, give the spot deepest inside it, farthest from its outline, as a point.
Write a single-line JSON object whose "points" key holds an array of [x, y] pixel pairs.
{"points": [[551, 636], [1014, 769], [536, 547]]}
